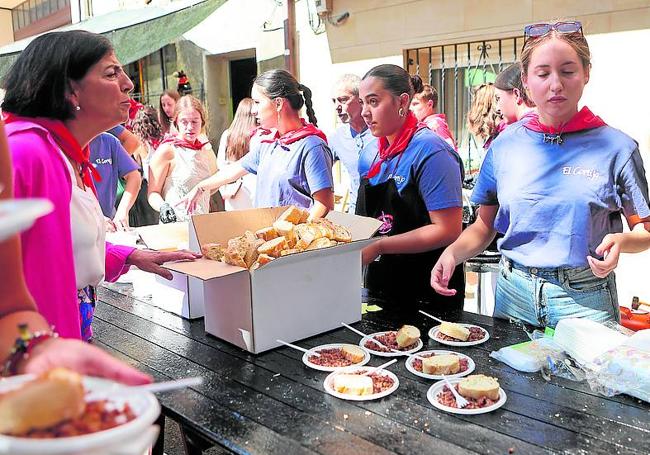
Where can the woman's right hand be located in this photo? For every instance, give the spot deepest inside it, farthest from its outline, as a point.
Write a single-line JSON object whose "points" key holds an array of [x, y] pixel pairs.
{"points": [[191, 199], [441, 274]]}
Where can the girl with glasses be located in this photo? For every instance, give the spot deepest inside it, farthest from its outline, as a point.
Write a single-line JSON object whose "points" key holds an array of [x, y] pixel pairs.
{"points": [[557, 187]]}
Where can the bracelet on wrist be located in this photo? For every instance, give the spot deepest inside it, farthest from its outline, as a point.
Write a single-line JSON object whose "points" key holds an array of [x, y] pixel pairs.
{"points": [[24, 345]]}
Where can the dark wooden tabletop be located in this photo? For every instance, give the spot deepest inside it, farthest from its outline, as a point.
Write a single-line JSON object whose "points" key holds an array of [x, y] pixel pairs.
{"points": [[272, 404]]}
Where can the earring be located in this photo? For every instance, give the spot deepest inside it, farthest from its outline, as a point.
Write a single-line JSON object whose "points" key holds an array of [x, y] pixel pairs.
{"points": [[77, 108], [401, 112]]}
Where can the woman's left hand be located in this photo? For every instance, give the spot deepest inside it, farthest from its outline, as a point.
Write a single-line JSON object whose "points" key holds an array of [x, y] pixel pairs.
{"points": [[151, 261], [191, 199], [610, 248], [371, 252]]}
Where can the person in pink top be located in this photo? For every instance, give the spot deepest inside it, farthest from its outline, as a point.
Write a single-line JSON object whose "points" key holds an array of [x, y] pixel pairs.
{"points": [[424, 105], [64, 89]]}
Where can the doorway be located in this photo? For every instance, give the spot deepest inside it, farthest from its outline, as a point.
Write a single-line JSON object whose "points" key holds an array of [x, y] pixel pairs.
{"points": [[242, 74]]}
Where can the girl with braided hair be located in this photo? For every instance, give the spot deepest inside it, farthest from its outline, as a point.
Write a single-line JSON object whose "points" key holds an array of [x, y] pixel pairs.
{"points": [[290, 157]]}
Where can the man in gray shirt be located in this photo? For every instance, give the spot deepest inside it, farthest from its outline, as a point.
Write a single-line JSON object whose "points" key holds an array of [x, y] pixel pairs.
{"points": [[353, 136]]}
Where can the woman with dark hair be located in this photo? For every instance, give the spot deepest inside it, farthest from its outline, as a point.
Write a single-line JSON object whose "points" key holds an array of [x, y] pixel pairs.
{"points": [[290, 157], [64, 89], [166, 108], [413, 186], [424, 105], [234, 144], [512, 102]]}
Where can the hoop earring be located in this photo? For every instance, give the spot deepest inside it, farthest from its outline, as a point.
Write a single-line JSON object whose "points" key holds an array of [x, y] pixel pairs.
{"points": [[401, 112]]}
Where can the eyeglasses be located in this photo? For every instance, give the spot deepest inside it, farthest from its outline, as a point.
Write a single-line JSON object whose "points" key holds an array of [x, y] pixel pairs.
{"points": [[539, 30]]}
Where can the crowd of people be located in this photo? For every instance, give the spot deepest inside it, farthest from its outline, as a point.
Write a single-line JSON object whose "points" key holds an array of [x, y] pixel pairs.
{"points": [[556, 183]]}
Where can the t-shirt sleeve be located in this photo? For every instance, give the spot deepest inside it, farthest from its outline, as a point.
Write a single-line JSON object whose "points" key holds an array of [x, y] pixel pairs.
{"points": [[485, 190], [116, 131], [633, 187], [124, 162], [251, 160], [439, 181], [318, 168]]}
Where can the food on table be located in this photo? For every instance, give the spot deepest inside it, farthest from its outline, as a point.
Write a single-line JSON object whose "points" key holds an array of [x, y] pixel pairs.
{"points": [[388, 339], [454, 331], [322, 242], [353, 384], [475, 334], [53, 406], [273, 247], [214, 251], [463, 364], [407, 335], [481, 391], [441, 364], [338, 356]]}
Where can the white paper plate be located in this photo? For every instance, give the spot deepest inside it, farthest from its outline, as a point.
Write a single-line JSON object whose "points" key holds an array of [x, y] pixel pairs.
{"points": [[144, 405], [362, 343], [329, 381], [434, 331], [470, 365], [17, 215], [435, 389], [305, 357]]}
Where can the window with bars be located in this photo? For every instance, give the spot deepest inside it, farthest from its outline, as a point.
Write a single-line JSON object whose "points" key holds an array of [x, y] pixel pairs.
{"points": [[455, 71]]}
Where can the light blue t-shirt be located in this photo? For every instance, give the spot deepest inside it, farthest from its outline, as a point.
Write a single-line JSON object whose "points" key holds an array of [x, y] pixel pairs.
{"points": [[557, 202], [431, 164], [289, 174], [348, 146], [112, 162]]}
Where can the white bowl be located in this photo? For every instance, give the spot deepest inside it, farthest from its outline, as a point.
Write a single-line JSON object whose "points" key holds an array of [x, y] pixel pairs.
{"points": [[130, 438], [435, 389]]}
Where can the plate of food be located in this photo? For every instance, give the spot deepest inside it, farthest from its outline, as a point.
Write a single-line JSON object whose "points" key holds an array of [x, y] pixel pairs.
{"points": [[453, 334], [405, 340], [482, 392], [352, 384], [49, 415], [439, 362], [333, 357]]}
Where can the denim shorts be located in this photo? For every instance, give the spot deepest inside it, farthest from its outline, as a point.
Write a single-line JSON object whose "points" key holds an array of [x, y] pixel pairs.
{"points": [[543, 296]]}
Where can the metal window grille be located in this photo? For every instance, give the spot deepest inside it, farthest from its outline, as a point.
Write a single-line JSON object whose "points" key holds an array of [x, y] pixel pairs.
{"points": [[455, 71]]}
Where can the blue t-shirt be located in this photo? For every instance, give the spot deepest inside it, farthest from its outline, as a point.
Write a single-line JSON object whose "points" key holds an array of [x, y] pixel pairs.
{"points": [[112, 162], [557, 202], [348, 146], [431, 164], [116, 131], [289, 174]]}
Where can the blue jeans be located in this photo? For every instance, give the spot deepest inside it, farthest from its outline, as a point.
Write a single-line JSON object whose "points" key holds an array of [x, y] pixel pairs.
{"points": [[544, 296]]}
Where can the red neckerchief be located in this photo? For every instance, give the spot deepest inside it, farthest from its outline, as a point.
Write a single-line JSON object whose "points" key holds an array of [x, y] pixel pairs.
{"points": [[196, 145], [307, 129], [584, 119], [387, 151], [68, 144]]}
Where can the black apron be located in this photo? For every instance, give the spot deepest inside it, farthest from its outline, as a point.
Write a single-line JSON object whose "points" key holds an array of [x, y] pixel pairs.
{"points": [[403, 276]]}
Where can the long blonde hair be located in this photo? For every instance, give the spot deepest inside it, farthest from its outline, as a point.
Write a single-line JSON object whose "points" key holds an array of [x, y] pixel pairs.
{"points": [[482, 118], [239, 133]]}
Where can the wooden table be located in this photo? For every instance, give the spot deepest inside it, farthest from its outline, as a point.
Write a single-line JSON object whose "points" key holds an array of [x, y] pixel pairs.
{"points": [[272, 404]]}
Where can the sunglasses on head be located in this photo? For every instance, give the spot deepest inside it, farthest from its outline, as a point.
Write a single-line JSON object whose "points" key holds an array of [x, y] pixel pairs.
{"points": [[539, 30]]}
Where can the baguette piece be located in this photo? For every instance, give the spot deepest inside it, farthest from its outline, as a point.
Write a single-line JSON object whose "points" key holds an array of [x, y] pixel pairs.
{"points": [[264, 259], [322, 242], [407, 335], [353, 353], [478, 386], [273, 247], [294, 215], [46, 401], [286, 230], [342, 234], [289, 251], [306, 234], [441, 364], [267, 233], [353, 384], [214, 251], [454, 330]]}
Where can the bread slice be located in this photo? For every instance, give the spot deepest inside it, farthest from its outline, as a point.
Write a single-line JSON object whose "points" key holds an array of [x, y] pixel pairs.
{"points": [[236, 252], [353, 384], [454, 330], [478, 386], [50, 399], [267, 233], [306, 234], [286, 230], [294, 215], [289, 251], [407, 335], [342, 234], [353, 353], [273, 247], [214, 251], [441, 364], [325, 226], [263, 259], [322, 242], [251, 252]]}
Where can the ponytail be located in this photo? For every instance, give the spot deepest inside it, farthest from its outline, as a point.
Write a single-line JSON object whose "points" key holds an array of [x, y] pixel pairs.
{"points": [[306, 94]]}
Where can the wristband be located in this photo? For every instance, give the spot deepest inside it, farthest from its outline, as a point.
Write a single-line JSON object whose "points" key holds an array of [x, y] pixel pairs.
{"points": [[24, 345]]}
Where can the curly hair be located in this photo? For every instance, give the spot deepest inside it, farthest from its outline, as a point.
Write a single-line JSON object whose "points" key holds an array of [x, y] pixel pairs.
{"points": [[482, 118]]}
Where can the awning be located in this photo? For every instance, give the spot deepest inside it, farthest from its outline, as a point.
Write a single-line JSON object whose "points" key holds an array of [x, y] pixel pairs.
{"points": [[135, 33]]}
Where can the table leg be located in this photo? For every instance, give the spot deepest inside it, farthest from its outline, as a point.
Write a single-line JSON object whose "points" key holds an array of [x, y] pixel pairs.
{"points": [[194, 443]]}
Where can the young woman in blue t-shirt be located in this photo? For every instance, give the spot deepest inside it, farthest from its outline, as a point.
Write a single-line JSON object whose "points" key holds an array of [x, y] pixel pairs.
{"points": [[556, 187], [413, 186], [290, 157]]}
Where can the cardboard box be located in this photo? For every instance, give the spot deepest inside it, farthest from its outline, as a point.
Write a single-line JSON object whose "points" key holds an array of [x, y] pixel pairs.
{"points": [[291, 298]]}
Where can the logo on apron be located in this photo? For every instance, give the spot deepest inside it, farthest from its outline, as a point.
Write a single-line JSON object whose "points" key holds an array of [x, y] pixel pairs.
{"points": [[387, 223]]}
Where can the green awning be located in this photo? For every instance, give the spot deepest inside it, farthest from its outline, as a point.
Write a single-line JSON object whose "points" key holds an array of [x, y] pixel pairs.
{"points": [[134, 33]]}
